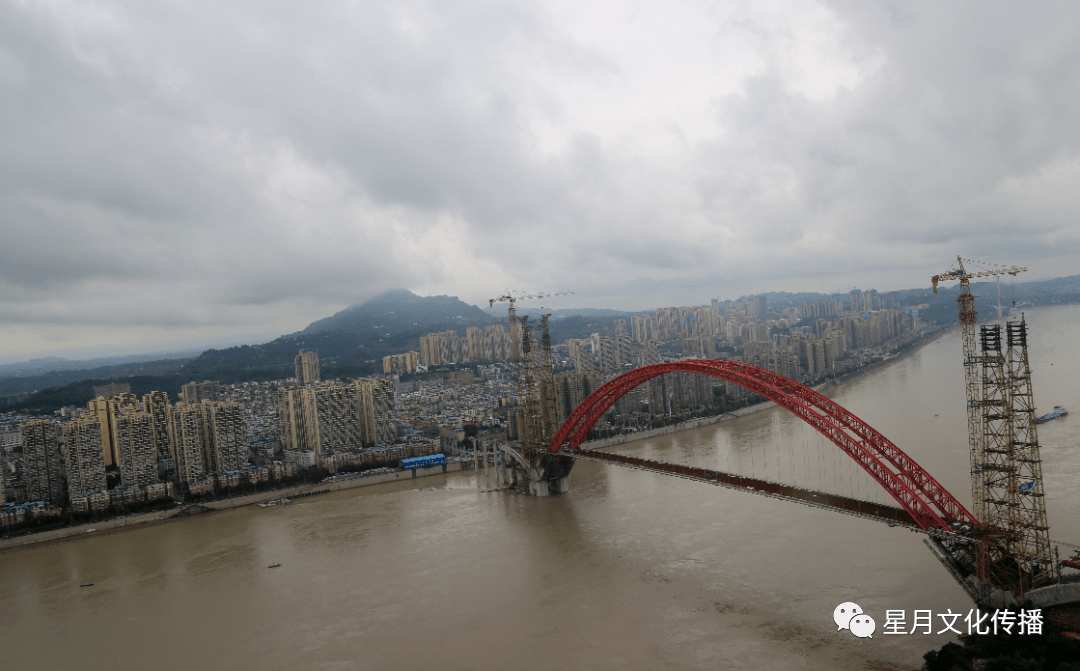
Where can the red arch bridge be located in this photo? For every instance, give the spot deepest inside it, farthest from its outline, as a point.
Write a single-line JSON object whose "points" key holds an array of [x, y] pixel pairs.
{"points": [[923, 503]]}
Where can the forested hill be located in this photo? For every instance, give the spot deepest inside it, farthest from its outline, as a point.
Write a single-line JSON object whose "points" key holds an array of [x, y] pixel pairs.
{"points": [[400, 310], [350, 344]]}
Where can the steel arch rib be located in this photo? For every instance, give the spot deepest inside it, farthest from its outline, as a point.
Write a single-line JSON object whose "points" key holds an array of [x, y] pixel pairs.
{"points": [[928, 503]]}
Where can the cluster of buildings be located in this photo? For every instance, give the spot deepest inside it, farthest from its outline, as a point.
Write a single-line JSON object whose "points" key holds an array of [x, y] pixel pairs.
{"points": [[807, 343], [324, 417], [147, 444], [122, 448], [491, 343]]}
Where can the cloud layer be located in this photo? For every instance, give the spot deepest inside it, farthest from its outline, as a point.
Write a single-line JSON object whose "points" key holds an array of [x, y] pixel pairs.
{"points": [[187, 170]]}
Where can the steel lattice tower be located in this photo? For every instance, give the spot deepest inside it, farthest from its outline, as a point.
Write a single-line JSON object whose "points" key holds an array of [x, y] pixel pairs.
{"points": [[1030, 537], [991, 435], [973, 386]]}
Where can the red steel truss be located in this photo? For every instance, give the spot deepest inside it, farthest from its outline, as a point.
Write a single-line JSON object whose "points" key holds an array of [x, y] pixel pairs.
{"points": [[923, 497]]}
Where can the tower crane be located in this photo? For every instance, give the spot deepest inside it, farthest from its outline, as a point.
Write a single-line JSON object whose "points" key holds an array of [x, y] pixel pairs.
{"points": [[510, 298], [1006, 471], [536, 409], [966, 303]]}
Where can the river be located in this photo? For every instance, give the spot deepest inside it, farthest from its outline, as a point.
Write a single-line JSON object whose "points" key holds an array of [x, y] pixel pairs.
{"points": [[628, 570]]}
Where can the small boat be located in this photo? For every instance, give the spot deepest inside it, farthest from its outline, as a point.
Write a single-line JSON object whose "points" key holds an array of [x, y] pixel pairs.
{"points": [[273, 566], [90, 531], [1059, 411], [87, 584]]}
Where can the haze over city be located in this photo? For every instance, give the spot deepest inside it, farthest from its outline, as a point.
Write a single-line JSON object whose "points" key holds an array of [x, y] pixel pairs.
{"points": [[182, 174]]}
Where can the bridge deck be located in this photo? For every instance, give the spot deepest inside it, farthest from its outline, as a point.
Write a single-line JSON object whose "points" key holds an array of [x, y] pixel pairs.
{"points": [[843, 504]]}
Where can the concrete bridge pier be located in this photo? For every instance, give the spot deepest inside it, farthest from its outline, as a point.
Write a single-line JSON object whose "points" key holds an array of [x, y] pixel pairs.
{"points": [[538, 487]]}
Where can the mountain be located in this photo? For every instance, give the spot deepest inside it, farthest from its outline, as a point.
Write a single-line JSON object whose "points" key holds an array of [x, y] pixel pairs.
{"points": [[399, 310], [41, 366], [28, 382], [350, 343]]}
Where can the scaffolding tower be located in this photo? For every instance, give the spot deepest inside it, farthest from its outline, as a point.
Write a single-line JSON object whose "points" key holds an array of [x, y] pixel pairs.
{"points": [[1013, 552]]}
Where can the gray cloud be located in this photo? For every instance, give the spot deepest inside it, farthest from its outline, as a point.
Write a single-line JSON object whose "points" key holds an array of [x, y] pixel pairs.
{"points": [[255, 166]]}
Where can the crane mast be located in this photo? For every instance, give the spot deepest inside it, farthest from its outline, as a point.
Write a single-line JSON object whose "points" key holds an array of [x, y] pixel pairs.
{"points": [[1006, 471]]}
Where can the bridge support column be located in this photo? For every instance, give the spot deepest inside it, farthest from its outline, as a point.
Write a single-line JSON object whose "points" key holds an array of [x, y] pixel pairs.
{"points": [[541, 487], [538, 487], [560, 486]]}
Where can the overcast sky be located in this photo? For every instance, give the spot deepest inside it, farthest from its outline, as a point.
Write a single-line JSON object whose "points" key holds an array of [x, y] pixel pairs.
{"points": [[178, 173]]}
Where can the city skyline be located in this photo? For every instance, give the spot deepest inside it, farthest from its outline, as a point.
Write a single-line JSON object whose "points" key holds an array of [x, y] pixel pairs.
{"points": [[172, 178], [530, 305]]}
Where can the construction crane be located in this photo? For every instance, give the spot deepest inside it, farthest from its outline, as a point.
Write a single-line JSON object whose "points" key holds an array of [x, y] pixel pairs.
{"points": [[510, 298], [536, 410], [1006, 470], [961, 273], [515, 337], [966, 303]]}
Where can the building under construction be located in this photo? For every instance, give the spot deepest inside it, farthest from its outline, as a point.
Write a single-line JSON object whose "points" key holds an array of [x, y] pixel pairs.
{"points": [[531, 468]]}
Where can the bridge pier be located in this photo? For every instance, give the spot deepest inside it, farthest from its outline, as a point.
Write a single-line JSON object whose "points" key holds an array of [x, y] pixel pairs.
{"points": [[541, 487], [1065, 593]]}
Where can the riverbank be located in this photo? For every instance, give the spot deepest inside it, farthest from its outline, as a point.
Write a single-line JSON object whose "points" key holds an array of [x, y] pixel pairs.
{"points": [[127, 522], [699, 422]]}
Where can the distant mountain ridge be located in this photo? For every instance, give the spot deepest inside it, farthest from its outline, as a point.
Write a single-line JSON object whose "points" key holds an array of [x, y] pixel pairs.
{"points": [[352, 342], [49, 364], [400, 310]]}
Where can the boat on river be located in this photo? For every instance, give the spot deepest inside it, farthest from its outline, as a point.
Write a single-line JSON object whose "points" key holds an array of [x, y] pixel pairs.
{"points": [[1059, 411]]}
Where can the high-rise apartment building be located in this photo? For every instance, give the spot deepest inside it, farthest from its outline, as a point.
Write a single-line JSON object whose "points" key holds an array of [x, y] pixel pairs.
{"points": [[649, 355], [339, 420], [447, 347], [197, 392], [376, 401], [44, 473], [306, 364], [84, 455], [403, 363], [105, 410], [760, 332], [157, 404], [573, 388], [699, 348], [186, 429], [643, 328], [293, 419], [582, 352], [609, 355], [336, 416], [224, 444], [133, 441]]}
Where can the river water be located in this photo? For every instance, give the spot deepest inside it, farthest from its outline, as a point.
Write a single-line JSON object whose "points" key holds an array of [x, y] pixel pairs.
{"points": [[628, 570]]}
